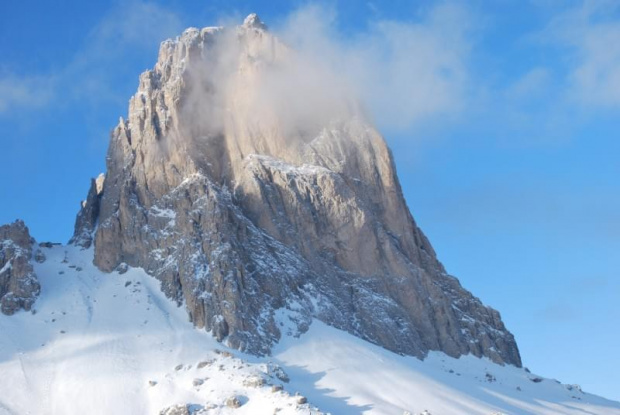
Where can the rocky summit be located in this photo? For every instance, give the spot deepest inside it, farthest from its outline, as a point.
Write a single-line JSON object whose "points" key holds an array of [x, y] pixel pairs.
{"points": [[260, 207], [19, 286]]}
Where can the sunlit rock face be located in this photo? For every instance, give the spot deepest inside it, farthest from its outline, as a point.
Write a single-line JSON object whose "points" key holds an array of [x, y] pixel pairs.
{"points": [[19, 286], [247, 194]]}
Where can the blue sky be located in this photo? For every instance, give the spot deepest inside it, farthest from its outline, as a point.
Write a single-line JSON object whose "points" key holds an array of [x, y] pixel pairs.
{"points": [[503, 118]]}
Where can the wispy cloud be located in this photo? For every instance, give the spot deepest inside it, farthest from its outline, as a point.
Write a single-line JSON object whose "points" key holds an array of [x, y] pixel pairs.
{"points": [[530, 85], [402, 71], [127, 30], [408, 70], [590, 33], [24, 92]]}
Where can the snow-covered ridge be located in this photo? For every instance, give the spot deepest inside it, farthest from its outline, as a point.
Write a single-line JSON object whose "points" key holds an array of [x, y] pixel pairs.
{"points": [[112, 343]]}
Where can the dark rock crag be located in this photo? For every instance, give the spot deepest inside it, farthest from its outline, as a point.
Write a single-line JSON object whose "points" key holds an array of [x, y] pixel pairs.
{"points": [[19, 287]]}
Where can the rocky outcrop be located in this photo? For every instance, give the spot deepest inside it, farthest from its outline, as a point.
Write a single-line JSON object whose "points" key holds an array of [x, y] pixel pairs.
{"points": [[176, 410], [19, 287], [259, 221], [86, 220]]}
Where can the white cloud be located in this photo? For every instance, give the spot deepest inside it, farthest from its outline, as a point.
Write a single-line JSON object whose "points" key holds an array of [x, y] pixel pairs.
{"points": [[591, 32], [403, 72], [91, 75]]}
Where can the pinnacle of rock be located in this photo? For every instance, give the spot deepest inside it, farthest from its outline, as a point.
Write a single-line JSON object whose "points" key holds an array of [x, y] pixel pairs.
{"points": [[252, 20], [86, 220], [248, 208]]}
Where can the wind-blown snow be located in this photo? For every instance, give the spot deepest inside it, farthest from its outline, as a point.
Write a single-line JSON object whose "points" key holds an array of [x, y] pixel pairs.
{"points": [[113, 344]]}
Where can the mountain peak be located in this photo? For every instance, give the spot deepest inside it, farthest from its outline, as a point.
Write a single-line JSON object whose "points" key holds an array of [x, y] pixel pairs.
{"points": [[248, 195], [253, 21]]}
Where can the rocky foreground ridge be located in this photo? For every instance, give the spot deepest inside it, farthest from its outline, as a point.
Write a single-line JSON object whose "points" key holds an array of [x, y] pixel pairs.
{"points": [[249, 217]]}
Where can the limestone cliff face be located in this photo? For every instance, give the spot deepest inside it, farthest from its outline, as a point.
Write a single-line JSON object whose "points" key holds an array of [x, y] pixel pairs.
{"points": [[19, 287], [248, 216]]}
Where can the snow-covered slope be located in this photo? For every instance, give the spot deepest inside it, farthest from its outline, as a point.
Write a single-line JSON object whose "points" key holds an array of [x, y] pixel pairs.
{"points": [[101, 343], [343, 374]]}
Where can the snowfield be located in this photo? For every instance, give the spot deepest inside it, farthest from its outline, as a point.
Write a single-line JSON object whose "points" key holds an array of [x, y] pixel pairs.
{"points": [[101, 343]]}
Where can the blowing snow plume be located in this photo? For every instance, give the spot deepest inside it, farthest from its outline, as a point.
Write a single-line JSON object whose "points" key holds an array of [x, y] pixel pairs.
{"points": [[249, 182]]}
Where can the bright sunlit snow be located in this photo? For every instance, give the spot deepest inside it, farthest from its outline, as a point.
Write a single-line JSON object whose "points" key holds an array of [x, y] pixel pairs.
{"points": [[113, 344]]}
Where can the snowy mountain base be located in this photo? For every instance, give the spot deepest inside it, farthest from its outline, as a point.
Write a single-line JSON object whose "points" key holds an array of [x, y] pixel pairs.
{"points": [[113, 344]]}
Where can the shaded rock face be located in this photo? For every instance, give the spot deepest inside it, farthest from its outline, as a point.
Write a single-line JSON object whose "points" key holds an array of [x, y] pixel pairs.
{"points": [[250, 218], [19, 287], [86, 220]]}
